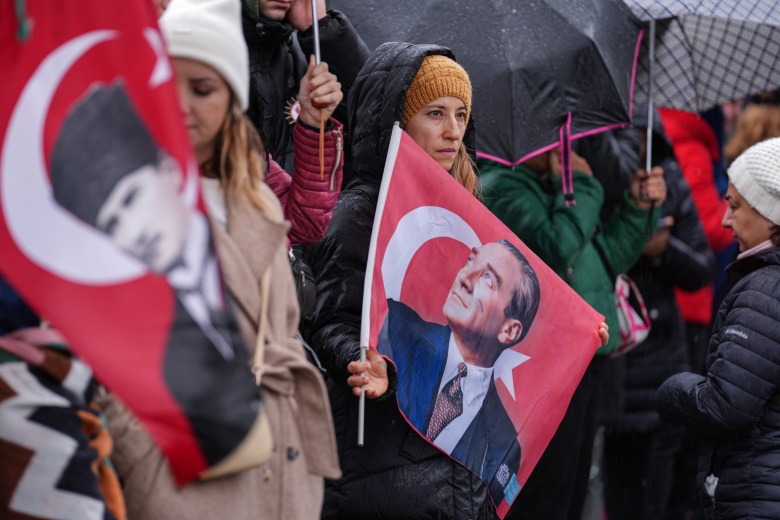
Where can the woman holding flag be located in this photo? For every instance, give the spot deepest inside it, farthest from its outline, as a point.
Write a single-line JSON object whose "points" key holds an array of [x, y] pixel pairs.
{"points": [[250, 233], [397, 474]]}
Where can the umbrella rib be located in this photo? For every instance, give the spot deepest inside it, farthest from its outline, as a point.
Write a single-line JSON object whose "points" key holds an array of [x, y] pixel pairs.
{"points": [[694, 75]]}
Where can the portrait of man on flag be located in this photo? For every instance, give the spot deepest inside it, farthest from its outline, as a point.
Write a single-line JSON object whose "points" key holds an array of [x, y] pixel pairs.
{"points": [[104, 234], [484, 343], [490, 308], [107, 170]]}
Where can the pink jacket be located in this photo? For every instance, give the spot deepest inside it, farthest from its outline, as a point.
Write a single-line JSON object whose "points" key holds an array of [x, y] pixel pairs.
{"points": [[307, 198]]}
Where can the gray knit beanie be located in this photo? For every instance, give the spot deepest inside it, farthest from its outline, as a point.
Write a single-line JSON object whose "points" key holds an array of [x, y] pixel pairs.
{"points": [[756, 175]]}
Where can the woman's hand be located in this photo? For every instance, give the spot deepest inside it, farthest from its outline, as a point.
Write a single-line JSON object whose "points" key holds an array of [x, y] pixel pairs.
{"points": [[648, 188], [375, 381], [604, 333], [659, 242], [578, 163], [320, 87]]}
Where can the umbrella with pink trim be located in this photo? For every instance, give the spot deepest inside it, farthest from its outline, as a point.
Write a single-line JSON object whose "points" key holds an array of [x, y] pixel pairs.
{"points": [[543, 71]]}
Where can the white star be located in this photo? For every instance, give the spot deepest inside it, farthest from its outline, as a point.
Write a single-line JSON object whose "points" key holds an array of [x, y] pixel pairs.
{"points": [[505, 364], [162, 69]]}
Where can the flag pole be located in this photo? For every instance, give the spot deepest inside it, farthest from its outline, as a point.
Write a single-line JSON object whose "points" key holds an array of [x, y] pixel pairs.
{"points": [[315, 26], [365, 316]]}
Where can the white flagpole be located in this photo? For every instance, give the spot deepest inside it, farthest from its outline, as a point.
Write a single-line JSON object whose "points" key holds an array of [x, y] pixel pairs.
{"points": [[365, 317], [316, 28]]}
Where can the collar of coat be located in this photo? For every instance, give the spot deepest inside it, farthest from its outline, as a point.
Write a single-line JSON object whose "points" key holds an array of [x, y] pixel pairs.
{"points": [[246, 248], [259, 30]]}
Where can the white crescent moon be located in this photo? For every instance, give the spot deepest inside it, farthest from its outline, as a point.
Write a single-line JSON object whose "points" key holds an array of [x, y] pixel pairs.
{"points": [[415, 229], [48, 234]]}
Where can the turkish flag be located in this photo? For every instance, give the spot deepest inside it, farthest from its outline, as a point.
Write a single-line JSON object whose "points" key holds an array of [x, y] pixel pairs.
{"points": [[489, 344], [102, 230]]}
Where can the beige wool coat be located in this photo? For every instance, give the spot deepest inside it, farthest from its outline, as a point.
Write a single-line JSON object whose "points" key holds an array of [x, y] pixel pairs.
{"points": [[290, 484]]}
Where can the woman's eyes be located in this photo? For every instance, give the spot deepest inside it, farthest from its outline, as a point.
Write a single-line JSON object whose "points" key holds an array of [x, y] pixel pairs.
{"points": [[440, 113], [202, 92]]}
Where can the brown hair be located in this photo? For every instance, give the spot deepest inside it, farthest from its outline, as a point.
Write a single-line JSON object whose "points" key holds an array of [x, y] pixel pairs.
{"points": [[239, 160], [756, 123]]}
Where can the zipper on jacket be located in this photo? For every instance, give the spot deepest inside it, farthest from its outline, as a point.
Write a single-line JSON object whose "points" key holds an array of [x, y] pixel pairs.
{"points": [[339, 147]]}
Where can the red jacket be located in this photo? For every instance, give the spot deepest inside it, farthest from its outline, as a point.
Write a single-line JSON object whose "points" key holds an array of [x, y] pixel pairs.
{"points": [[696, 148], [307, 197]]}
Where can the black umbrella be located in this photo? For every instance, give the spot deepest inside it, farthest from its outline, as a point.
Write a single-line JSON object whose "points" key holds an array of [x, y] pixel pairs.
{"points": [[532, 63]]}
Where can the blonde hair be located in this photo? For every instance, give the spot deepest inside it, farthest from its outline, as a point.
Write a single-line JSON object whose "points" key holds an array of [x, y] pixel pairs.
{"points": [[756, 123], [463, 170], [239, 160]]}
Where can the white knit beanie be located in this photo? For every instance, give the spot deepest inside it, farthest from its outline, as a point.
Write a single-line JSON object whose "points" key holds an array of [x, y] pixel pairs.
{"points": [[756, 175], [210, 31]]}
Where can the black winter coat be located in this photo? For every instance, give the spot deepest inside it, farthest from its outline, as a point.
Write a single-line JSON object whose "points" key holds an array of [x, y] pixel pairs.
{"points": [[736, 406], [397, 474], [278, 58], [687, 263]]}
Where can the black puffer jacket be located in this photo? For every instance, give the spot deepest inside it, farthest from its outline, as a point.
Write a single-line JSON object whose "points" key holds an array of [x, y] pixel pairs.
{"points": [[397, 474], [278, 57], [737, 405], [687, 263]]}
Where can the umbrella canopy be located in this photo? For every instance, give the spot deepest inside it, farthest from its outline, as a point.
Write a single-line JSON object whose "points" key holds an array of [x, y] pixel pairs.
{"points": [[708, 51], [531, 63]]}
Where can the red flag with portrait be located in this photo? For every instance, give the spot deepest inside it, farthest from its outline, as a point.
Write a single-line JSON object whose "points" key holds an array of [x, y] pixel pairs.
{"points": [[452, 293], [102, 231]]}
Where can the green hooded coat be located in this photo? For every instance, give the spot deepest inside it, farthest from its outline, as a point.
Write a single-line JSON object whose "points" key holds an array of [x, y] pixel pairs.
{"points": [[535, 210]]}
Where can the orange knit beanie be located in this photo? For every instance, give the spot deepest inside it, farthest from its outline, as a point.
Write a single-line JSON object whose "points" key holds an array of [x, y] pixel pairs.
{"points": [[438, 76]]}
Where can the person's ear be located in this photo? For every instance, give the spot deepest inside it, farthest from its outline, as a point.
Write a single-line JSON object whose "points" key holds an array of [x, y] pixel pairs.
{"points": [[510, 331]]}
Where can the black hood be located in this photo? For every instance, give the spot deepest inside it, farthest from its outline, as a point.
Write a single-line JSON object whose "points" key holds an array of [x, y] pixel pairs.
{"points": [[261, 31], [377, 101]]}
